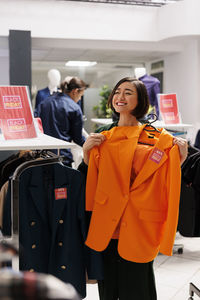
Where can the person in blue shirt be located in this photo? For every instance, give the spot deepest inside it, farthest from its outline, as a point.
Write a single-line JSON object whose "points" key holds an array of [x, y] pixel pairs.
{"points": [[62, 117]]}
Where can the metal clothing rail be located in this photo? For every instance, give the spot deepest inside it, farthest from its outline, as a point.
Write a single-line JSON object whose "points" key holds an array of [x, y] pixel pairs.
{"points": [[154, 3], [193, 290]]}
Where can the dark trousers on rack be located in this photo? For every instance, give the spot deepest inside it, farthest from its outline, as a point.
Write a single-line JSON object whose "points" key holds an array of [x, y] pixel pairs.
{"points": [[125, 280]]}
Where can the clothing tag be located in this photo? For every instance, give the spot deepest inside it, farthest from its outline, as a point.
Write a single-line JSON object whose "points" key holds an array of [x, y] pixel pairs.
{"points": [[156, 155], [60, 193]]}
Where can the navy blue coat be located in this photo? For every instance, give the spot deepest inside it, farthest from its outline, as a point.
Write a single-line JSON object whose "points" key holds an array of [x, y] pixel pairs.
{"points": [[52, 229], [153, 88], [62, 118], [41, 95]]}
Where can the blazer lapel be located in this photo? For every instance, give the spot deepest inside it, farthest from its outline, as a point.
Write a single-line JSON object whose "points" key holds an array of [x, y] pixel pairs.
{"points": [[61, 189], [155, 160], [126, 139], [37, 192]]}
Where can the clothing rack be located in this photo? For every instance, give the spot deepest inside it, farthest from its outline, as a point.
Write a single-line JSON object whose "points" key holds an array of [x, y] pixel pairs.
{"points": [[50, 195], [15, 198], [193, 290], [191, 193], [40, 143]]}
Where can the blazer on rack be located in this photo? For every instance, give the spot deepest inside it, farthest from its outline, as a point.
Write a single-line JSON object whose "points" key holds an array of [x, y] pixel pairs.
{"points": [[41, 95], [189, 212], [52, 227], [148, 210]]}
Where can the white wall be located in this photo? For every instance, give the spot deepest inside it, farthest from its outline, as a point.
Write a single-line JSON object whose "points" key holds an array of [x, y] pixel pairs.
{"points": [[65, 19], [76, 20], [180, 19], [182, 76], [91, 98], [4, 71]]}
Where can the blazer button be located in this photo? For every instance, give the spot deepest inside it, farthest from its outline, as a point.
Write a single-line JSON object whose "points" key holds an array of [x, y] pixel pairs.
{"points": [[63, 267], [31, 270], [33, 246], [60, 244], [33, 223], [61, 221]]}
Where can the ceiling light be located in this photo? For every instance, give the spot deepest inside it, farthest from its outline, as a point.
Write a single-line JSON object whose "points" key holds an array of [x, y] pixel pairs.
{"points": [[76, 63]]}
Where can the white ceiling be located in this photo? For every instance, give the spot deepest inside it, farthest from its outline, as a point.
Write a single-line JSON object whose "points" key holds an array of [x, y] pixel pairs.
{"points": [[51, 52]]}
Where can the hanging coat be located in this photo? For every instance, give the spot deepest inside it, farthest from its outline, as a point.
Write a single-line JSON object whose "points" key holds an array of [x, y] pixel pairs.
{"points": [[148, 209], [52, 227]]}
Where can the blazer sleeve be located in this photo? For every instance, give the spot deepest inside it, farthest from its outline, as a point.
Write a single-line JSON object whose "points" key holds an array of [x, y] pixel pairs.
{"points": [[173, 191], [6, 223], [76, 119], [38, 98], [92, 178]]}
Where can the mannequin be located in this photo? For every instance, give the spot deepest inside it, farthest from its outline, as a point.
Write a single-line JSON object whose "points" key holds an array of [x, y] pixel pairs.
{"points": [[54, 78], [139, 72], [152, 85]]}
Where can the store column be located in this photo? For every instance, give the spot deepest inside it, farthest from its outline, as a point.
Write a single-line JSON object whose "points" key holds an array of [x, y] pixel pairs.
{"points": [[20, 57]]}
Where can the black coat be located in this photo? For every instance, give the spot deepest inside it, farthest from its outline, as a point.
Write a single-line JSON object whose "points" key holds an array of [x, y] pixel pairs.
{"points": [[189, 212], [52, 226]]}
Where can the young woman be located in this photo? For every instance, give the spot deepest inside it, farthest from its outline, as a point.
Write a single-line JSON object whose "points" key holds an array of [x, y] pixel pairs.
{"points": [[132, 190], [62, 117]]}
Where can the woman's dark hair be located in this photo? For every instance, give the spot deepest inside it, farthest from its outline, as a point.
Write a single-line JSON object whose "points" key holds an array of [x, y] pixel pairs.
{"points": [[143, 100], [74, 83]]}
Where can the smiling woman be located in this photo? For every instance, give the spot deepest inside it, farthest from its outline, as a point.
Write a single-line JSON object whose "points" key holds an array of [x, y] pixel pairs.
{"points": [[132, 192], [129, 100], [125, 98]]}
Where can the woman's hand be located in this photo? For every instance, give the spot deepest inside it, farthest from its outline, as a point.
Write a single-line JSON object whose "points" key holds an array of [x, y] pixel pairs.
{"points": [[183, 148], [94, 139]]}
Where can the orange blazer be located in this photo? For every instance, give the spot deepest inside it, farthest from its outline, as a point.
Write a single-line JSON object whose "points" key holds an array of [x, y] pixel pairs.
{"points": [[148, 209]]}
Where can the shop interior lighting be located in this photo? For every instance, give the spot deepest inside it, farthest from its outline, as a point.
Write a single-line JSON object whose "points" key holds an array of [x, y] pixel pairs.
{"points": [[77, 63], [156, 3]]}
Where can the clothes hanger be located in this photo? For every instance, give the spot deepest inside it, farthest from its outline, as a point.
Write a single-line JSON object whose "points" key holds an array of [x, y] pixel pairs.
{"points": [[142, 143], [151, 136], [149, 124]]}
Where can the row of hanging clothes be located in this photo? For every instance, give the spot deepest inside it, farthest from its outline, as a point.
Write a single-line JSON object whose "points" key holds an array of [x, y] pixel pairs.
{"points": [[7, 168], [48, 215], [189, 210]]}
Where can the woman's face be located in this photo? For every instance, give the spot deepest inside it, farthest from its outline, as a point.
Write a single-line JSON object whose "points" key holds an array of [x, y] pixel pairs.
{"points": [[77, 94], [125, 98]]}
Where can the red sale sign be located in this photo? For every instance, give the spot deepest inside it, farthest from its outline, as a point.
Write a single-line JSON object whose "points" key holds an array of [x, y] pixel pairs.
{"points": [[168, 106], [15, 113]]}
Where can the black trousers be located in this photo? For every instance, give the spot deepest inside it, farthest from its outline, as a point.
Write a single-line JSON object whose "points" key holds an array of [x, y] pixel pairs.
{"points": [[125, 280]]}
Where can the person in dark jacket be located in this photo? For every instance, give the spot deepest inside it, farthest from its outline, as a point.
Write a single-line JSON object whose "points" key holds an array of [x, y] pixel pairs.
{"points": [[62, 117]]}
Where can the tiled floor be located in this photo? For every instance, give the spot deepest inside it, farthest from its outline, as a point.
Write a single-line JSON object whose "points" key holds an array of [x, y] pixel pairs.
{"points": [[173, 274]]}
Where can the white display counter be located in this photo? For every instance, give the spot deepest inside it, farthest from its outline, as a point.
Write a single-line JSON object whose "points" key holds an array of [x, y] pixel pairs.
{"points": [[41, 142]]}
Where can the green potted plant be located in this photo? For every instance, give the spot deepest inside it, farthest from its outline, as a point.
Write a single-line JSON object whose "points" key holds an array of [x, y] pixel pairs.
{"points": [[101, 110]]}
